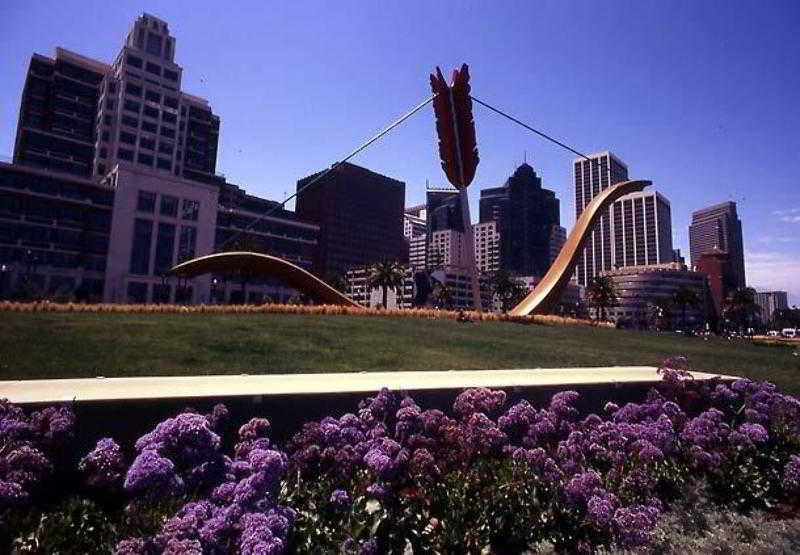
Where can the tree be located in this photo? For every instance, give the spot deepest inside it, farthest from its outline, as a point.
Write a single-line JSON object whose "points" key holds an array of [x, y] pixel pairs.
{"points": [[685, 297], [601, 294], [787, 318], [508, 289], [386, 274], [740, 307], [442, 296]]}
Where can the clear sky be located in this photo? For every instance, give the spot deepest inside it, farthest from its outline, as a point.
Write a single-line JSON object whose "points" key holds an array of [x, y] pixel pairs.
{"points": [[701, 97]]}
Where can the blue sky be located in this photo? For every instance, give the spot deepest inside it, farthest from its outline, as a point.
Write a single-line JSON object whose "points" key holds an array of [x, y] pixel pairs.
{"points": [[701, 97]]}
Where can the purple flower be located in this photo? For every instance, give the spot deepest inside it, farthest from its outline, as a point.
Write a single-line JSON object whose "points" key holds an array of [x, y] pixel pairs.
{"points": [[600, 508], [581, 487], [104, 465], [12, 494], [791, 475], [562, 404], [340, 499], [255, 428], [218, 416], [153, 475], [257, 536], [183, 547], [134, 546], [377, 491], [480, 399], [368, 547], [634, 525], [754, 432]]}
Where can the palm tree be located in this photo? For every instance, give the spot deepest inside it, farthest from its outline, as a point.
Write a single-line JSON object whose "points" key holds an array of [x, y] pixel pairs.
{"points": [[685, 297], [740, 306], [442, 296], [507, 288], [386, 274], [601, 294]]}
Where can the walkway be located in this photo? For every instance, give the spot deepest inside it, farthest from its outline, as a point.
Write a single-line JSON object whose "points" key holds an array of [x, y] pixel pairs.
{"points": [[198, 387]]}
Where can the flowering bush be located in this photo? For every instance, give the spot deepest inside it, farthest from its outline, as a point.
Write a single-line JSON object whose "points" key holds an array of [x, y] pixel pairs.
{"points": [[392, 476]]}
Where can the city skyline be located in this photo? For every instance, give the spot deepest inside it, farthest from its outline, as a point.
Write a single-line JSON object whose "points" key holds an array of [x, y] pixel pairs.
{"points": [[731, 101]]}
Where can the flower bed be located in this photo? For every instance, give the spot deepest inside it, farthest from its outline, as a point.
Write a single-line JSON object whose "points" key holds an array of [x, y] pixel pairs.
{"points": [[394, 476]]}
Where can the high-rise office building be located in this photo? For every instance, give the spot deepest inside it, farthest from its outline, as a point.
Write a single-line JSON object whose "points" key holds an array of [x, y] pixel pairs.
{"points": [[525, 214], [718, 226], [599, 172], [635, 231], [770, 302], [360, 214], [487, 247], [83, 116], [113, 182], [641, 230], [558, 236]]}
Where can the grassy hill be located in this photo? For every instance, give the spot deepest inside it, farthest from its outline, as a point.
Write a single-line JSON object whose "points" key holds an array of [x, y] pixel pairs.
{"points": [[49, 345]]}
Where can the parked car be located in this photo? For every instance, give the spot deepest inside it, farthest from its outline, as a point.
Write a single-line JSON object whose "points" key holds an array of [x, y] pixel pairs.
{"points": [[773, 333], [791, 333]]}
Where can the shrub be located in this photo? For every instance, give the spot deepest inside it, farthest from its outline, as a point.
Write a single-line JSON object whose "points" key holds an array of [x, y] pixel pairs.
{"points": [[394, 476]]}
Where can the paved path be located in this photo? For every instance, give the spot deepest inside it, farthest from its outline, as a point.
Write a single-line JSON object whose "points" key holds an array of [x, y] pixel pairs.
{"points": [[177, 387]]}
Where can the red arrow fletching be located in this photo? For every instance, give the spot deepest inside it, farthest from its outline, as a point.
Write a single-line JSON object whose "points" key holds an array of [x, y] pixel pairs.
{"points": [[455, 127]]}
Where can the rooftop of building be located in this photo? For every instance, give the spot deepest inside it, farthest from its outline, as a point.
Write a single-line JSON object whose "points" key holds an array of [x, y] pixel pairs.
{"points": [[727, 205], [601, 155], [347, 167]]}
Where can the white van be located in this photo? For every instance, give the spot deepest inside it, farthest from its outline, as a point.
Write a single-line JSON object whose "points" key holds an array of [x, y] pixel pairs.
{"points": [[791, 333]]}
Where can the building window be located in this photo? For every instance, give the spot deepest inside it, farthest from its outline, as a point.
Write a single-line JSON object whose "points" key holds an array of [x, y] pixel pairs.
{"points": [[146, 201], [149, 127], [151, 112], [109, 104], [137, 292], [190, 209], [134, 61], [153, 44], [171, 75], [153, 68], [187, 243], [140, 252], [145, 159], [152, 96], [105, 136], [149, 144], [132, 106], [170, 101], [112, 88], [132, 89], [107, 119], [103, 153], [165, 148], [164, 164], [127, 138], [169, 118], [125, 154], [167, 132], [130, 121], [165, 246], [169, 206]]}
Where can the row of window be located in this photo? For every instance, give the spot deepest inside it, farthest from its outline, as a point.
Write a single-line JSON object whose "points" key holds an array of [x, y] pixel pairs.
{"points": [[146, 202], [152, 68], [146, 160], [165, 246]]}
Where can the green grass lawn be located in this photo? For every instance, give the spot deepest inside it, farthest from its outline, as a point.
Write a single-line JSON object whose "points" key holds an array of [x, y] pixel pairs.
{"points": [[50, 345]]}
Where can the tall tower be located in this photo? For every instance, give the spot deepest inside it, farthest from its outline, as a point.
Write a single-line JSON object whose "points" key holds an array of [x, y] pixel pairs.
{"points": [[84, 116], [719, 227], [599, 172], [525, 214], [641, 230]]}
